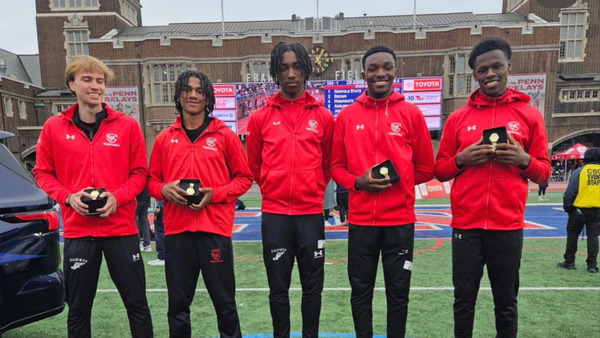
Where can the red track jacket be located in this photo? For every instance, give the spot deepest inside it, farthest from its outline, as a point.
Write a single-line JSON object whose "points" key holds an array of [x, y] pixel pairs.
{"points": [[68, 162], [217, 159], [369, 132], [492, 195], [291, 163]]}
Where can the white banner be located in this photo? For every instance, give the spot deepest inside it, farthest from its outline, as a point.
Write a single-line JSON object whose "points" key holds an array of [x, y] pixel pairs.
{"points": [[431, 109], [533, 85], [423, 97], [124, 99], [225, 115], [225, 102]]}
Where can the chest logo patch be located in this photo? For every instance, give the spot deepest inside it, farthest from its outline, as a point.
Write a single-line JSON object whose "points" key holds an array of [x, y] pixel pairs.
{"points": [[514, 126], [112, 138], [312, 125]]}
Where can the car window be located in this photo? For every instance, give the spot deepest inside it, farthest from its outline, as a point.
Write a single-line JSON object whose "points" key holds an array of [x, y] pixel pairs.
{"points": [[9, 161]]}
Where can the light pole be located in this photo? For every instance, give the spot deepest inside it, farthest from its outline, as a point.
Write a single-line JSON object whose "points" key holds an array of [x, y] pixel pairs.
{"points": [[222, 18]]}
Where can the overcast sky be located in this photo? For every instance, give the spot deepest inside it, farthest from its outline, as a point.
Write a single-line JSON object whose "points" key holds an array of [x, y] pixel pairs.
{"points": [[18, 29]]}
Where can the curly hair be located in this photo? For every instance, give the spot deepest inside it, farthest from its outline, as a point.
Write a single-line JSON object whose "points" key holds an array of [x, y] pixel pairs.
{"points": [[489, 44], [301, 55], [181, 88]]}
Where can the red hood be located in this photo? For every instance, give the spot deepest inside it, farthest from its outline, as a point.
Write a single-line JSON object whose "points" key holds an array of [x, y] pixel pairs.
{"points": [[311, 102], [479, 99], [366, 100]]}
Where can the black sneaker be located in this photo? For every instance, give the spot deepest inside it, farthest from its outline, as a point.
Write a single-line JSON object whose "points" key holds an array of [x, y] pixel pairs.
{"points": [[565, 265], [592, 269]]}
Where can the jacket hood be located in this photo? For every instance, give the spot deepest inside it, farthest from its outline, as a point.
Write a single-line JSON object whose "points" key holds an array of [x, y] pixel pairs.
{"points": [[311, 102], [366, 100], [111, 114], [215, 125], [479, 99]]}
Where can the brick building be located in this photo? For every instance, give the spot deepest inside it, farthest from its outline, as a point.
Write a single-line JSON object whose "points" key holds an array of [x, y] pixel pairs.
{"points": [[563, 44]]}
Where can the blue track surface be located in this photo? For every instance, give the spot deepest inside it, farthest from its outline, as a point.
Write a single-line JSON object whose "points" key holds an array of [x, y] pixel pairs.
{"points": [[543, 220]]}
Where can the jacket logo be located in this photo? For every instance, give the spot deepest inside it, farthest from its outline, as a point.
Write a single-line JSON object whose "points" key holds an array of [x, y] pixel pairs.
{"points": [[360, 126], [112, 138], [277, 123], [469, 128], [216, 256], [514, 126], [174, 140], [396, 129], [211, 142], [71, 137], [312, 125]]}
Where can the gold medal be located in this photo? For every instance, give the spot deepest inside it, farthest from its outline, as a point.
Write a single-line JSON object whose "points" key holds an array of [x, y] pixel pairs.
{"points": [[190, 189], [95, 194], [494, 139], [385, 172]]}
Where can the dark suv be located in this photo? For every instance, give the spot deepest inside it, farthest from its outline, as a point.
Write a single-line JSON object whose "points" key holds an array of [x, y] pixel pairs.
{"points": [[31, 282]]}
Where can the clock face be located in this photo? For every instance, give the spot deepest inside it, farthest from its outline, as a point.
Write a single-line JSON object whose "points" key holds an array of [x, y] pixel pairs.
{"points": [[321, 59]]}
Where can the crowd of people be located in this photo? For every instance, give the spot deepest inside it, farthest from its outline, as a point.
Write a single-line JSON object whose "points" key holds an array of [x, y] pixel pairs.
{"points": [[295, 150]]}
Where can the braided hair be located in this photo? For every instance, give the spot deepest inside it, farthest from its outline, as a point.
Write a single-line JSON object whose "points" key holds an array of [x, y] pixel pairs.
{"points": [[181, 88], [301, 55]]}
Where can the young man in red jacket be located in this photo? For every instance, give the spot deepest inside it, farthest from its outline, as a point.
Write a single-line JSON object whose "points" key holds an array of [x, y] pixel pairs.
{"points": [[490, 186], [289, 149], [381, 126], [198, 236], [91, 145]]}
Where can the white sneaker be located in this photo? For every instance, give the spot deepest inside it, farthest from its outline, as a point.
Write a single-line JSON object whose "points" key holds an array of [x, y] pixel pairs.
{"points": [[145, 248], [157, 262]]}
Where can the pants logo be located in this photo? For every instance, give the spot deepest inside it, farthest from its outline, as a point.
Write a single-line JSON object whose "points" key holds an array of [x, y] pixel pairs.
{"points": [[216, 256], [278, 253], [318, 254], [77, 263], [136, 257]]}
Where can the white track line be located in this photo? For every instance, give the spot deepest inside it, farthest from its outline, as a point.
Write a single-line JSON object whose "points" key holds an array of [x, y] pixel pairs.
{"points": [[447, 288]]}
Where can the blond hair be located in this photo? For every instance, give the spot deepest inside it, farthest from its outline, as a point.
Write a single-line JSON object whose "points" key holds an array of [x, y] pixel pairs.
{"points": [[86, 63]]}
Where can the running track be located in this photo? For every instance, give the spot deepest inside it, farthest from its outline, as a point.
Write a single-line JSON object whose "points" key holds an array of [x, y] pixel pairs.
{"points": [[542, 221]]}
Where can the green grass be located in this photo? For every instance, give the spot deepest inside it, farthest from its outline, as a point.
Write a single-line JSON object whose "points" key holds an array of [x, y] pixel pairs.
{"points": [[543, 313]]}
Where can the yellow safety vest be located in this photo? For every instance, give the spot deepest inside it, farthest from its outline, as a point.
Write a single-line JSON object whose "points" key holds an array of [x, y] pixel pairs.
{"points": [[589, 187]]}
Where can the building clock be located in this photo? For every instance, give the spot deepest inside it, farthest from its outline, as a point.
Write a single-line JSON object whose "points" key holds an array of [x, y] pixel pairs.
{"points": [[321, 59]]}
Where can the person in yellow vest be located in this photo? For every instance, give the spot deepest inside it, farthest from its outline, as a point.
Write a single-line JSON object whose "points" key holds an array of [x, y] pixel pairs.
{"points": [[582, 201]]}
